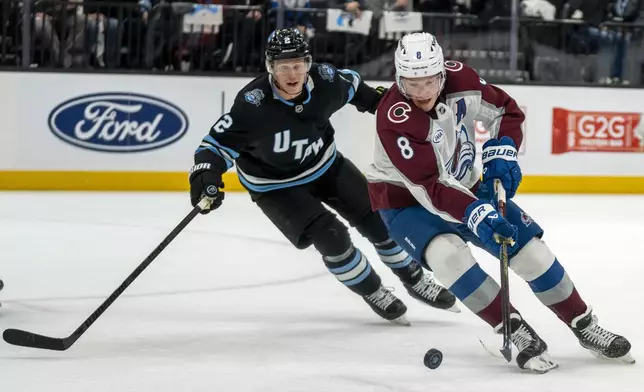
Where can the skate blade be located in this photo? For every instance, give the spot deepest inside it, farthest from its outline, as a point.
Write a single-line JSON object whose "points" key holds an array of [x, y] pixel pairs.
{"points": [[402, 320], [494, 353], [541, 364], [627, 358], [454, 308]]}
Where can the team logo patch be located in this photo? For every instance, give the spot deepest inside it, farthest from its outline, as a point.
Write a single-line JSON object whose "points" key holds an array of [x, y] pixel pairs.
{"points": [[397, 113], [525, 218], [326, 72], [255, 97], [438, 136]]}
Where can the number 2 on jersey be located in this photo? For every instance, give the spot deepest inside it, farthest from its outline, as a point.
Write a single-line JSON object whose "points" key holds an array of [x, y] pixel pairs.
{"points": [[224, 123], [405, 147]]}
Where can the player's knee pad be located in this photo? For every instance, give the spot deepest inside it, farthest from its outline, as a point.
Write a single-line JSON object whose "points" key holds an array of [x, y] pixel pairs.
{"points": [[329, 236], [449, 257], [372, 228], [533, 260]]}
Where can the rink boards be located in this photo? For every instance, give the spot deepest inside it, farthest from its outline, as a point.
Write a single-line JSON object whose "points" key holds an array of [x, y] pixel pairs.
{"points": [[66, 131]]}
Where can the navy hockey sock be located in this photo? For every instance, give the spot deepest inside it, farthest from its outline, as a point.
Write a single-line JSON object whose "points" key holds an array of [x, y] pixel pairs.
{"points": [[354, 271]]}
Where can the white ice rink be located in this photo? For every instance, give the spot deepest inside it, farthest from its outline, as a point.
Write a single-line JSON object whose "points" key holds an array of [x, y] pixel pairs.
{"points": [[231, 306]]}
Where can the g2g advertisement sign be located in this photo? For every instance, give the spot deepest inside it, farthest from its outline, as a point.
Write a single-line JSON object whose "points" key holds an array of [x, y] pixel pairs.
{"points": [[596, 131], [118, 122]]}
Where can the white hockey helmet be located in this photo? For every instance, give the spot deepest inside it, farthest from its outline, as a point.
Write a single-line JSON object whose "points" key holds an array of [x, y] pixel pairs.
{"points": [[419, 55]]}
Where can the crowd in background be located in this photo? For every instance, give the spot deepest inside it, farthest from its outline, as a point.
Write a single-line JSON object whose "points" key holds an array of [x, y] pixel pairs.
{"points": [[169, 35]]}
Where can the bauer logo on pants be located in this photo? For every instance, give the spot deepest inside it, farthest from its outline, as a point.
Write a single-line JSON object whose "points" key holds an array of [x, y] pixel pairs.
{"points": [[596, 131], [118, 122]]}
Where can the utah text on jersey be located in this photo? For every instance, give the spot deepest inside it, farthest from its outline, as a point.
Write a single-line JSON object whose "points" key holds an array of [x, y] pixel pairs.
{"points": [[278, 143]]}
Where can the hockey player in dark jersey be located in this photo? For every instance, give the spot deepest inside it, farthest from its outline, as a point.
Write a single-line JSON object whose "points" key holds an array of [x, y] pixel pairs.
{"points": [[279, 135], [431, 196]]}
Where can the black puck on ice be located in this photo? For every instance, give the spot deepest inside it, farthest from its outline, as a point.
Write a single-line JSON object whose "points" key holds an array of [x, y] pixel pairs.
{"points": [[433, 358]]}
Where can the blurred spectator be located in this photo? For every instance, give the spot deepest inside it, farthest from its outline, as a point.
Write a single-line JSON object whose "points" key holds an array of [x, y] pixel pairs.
{"points": [[610, 43], [294, 16], [541, 9], [251, 35], [60, 27], [105, 25], [444, 6]]}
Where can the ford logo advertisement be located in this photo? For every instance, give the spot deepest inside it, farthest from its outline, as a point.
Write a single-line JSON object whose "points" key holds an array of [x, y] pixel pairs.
{"points": [[118, 122]]}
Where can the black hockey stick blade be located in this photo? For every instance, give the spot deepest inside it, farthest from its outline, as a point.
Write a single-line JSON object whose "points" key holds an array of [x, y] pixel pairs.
{"points": [[506, 350], [18, 337], [29, 339]]}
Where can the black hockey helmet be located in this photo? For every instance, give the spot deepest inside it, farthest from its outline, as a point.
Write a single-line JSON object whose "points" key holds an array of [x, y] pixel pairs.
{"points": [[287, 43]]}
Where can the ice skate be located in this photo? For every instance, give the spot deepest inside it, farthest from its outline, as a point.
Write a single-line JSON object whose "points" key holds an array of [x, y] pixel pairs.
{"points": [[427, 291], [533, 351], [387, 306], [599, 341]]}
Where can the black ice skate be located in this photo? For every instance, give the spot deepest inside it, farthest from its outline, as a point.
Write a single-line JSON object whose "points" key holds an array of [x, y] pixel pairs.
{"points": [[533, 351], [387, 306], [427, 291], [600, 342]]}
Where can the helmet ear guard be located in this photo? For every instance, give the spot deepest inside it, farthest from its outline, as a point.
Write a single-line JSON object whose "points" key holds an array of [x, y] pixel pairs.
{"points": [[418, 55]]}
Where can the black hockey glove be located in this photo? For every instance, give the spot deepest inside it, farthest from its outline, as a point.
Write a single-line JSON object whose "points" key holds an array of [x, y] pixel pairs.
{"points": [[371, 100], [206, 182]]}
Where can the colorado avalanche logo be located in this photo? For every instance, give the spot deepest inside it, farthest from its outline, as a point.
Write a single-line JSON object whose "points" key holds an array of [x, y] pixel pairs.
{"points": [[397, 113], [460, 164], [255, 97], [525, 218]]}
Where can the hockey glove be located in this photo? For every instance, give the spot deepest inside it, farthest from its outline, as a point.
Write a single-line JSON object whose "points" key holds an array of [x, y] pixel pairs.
{"points": [[485, 221], [206, 182], [375, 96], [500, 161]]}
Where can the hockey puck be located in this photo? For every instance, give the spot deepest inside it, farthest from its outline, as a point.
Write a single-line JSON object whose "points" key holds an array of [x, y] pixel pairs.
{"points": [[433, 358]]}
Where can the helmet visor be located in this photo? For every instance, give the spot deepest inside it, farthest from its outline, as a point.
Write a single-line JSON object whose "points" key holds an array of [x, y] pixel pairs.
{"points": [[423, 88], [297, 66]]}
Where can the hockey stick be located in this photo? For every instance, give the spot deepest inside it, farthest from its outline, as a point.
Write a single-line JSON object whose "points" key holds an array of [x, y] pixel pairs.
{"points": [[29, 339], [506, 350]]}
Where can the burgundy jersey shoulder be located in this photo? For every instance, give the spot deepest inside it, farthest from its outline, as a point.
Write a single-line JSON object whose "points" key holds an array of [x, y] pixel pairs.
{"points": [[461, 77], [502, 115], [397, 113]]}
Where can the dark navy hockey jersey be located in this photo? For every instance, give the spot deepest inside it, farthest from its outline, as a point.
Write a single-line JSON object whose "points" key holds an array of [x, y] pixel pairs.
{"points": [[277, 143]]}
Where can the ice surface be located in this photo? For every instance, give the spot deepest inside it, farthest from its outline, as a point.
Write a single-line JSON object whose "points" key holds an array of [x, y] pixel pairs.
{"points": [[232, 306]]}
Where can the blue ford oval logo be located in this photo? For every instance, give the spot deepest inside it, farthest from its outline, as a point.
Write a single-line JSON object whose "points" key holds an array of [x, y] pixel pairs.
{"points": [[118, 122]]}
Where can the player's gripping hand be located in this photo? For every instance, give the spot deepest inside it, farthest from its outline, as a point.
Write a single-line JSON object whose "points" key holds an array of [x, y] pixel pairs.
{"points": [[206, 182], [485, 221], [500, 161]]}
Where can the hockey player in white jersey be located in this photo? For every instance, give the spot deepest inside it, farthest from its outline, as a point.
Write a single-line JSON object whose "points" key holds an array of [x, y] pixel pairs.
{"points": [[424, 183]]}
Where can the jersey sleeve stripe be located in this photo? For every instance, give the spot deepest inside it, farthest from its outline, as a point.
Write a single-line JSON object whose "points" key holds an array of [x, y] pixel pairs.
{"points": [[355, 81], [211, 140], [226, 158]]}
